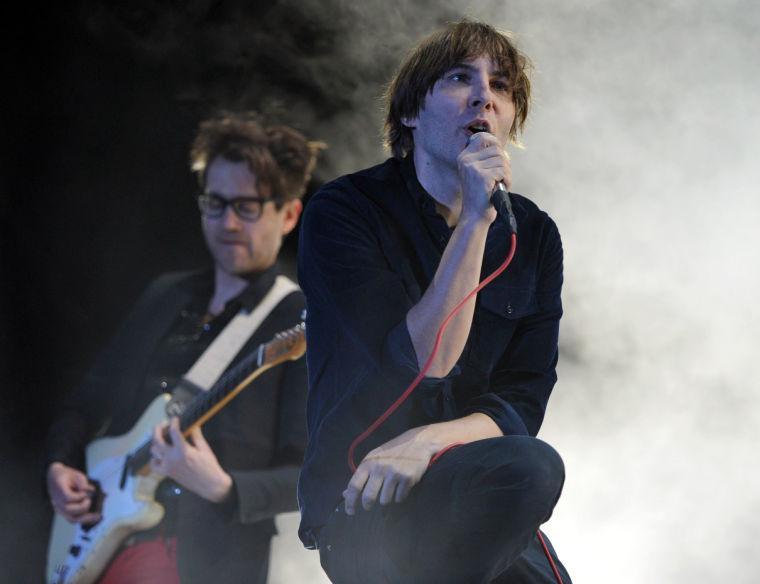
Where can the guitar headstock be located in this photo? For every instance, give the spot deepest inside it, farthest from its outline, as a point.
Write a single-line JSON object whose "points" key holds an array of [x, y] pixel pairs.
{"points": [[286, 345]]}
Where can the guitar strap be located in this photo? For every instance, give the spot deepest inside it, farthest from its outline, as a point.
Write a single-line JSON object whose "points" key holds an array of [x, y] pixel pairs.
{"points": [[220, 353]]}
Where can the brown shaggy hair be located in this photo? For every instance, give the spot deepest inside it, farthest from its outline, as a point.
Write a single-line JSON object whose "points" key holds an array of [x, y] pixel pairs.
{"points": [[433, 57]]}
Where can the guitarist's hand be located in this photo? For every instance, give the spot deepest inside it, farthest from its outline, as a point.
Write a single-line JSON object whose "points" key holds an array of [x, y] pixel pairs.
{"points": [[71, 493], [191, 462]]}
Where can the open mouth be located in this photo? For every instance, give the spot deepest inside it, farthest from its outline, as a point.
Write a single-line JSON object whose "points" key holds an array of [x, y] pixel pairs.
{"points": [[476, 127]]}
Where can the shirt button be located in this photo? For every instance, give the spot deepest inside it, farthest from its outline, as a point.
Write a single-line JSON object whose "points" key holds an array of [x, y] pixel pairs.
{"points": [[164, 384], [510, 310]]}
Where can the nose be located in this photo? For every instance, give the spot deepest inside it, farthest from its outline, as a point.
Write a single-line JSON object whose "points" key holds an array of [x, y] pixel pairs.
{"points": [[230, 220], [482, 96]]}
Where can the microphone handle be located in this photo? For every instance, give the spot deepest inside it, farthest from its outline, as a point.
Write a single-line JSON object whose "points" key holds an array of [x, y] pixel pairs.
{"points": [[502, 203]]}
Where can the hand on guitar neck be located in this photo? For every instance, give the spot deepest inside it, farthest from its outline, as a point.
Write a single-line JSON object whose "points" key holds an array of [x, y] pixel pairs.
{"points": [[191, 462], [71, 494]]}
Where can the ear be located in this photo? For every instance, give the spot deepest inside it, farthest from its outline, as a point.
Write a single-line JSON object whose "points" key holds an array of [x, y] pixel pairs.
{"points": [[409, 122], [291, 211]]}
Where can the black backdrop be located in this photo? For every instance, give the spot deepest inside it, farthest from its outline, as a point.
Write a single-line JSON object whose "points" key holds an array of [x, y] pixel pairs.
{"points": [[96, 201]]}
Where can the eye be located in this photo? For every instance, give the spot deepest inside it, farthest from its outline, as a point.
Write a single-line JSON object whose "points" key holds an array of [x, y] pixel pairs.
{"points": [[248, 206], [213, 202], [459, 76], [500, 84]]}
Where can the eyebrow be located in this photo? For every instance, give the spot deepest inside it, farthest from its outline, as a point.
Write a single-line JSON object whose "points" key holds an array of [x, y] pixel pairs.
{"points": [[468, 67]]}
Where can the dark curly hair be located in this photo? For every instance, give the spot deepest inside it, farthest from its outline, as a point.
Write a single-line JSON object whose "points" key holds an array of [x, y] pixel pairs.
{"points": [[280, 157], [437, 54]]}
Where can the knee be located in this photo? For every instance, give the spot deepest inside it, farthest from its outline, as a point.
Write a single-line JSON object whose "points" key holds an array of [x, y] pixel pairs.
{"points": [[532, 464], [545, 469]]}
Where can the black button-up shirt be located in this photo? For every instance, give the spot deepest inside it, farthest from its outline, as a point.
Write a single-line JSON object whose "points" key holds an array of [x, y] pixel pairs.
{"points": [[370, 245]]}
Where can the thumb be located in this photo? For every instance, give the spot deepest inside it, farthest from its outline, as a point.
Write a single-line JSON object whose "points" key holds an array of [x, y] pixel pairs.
{"points": [[198, 439], [80, 482]]}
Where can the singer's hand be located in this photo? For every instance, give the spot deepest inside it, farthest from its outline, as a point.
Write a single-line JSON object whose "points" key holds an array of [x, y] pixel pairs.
{"points": [[481, 165], [390, 471]]}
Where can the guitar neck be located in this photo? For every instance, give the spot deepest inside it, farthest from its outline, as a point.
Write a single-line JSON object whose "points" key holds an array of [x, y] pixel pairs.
{"points": [[206, 404], [288, 345]]}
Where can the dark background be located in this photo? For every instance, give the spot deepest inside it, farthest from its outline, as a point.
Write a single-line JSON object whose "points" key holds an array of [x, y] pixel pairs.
{"points": [[101, 105]]}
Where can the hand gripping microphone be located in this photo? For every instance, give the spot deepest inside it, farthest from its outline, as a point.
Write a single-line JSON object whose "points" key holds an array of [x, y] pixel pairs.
{"points": [[501, 201]]}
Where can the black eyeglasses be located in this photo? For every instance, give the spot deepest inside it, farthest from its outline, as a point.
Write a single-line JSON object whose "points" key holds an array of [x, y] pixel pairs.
{"points": [[247, 208]]}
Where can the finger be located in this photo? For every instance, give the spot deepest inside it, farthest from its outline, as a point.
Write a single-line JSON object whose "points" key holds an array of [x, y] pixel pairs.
{"points": [[198, 440], [354, 488], [372, 490], [403, 489], [79, 482], [482, 140], [158, 434], [75, 508], [389, 488], [176, 434], [491, 153], [156, 453], [73, 497]]}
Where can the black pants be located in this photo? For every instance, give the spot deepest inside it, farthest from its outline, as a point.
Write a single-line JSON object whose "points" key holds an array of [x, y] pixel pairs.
{"points": [[471, 519]]}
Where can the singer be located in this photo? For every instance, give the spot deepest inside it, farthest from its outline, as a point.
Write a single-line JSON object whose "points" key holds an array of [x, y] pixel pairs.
{"points": [[454, 485]]}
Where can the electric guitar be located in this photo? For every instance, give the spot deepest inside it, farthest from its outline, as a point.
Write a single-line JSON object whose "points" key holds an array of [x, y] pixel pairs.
{"points": [[119, 467]]}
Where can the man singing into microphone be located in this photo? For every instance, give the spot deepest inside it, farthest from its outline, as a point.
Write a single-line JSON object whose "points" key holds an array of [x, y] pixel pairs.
{"points": [[453, 486]]}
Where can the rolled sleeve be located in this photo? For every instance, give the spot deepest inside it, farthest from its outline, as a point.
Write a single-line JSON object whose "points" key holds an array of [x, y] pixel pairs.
{"points": [[524, 376], [349, 281]]}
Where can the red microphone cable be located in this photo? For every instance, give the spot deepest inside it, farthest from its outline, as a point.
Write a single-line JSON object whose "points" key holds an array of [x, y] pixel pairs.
{"points": [[402, 398], [420, 376]]}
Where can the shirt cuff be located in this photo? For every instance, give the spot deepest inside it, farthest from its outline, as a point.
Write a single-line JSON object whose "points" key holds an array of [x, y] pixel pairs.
{"points": [[504, 415], [227, 509]]}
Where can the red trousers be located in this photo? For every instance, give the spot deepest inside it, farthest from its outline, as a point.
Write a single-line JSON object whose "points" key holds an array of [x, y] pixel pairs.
{"points": [[148, 562]]}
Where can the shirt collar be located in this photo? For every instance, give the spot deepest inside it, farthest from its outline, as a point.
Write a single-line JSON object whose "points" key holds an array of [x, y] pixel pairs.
{"points": [[202, 288], [260, 283]]}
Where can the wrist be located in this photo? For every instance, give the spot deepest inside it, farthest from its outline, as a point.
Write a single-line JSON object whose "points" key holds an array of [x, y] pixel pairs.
{"points": [[222, 489], [475, 426], [476, 222]]}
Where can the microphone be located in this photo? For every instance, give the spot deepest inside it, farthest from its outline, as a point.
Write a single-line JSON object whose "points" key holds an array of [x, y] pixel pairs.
{"points": [[500, 199], [503, 205]]}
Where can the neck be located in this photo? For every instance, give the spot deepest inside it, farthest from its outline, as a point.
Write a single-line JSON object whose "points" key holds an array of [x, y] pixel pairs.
{"points": [[442, 183], [226, 287]]}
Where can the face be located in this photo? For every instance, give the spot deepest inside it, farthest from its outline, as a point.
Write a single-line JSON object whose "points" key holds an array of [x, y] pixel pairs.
{"points": [[242, 247], [472, 94]]}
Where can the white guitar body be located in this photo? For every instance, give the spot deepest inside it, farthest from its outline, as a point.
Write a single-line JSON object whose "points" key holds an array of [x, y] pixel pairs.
{"points": [[79, 556]]}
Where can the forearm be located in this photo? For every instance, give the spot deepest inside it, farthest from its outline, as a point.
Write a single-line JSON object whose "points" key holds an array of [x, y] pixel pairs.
{"points": [[457, 274], [476, 426], [262, 494]]}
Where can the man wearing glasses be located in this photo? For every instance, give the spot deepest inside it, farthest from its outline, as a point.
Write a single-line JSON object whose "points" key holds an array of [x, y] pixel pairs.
{"points": [[224, 489]]}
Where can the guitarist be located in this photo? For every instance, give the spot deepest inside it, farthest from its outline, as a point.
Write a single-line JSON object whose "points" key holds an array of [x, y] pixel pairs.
{"points": [[226, 483]]}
